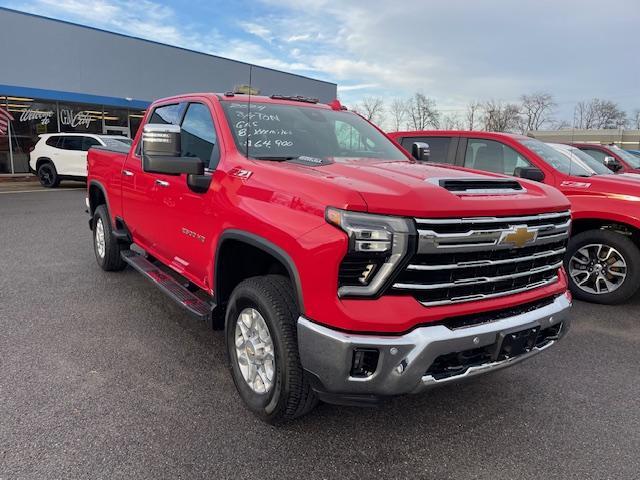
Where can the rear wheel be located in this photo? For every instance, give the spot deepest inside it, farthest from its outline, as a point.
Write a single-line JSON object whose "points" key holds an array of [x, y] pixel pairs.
{"points": [[262, 344], [48, 175], [603, 266], [105, 246]]}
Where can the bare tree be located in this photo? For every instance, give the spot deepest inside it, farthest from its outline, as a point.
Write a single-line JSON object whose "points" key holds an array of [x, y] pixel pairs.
{"points": [[398, 111], [634, 121], [371, 108], [472, 114], [422, 112], [599, 114], [499, 117], [536, 110], [452, 121]]}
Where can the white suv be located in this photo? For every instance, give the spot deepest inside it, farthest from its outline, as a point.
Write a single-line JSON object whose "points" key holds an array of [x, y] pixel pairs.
{"points": [[62, 156]]}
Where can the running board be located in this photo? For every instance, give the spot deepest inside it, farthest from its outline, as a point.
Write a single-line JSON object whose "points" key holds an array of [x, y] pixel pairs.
{"points": [[170, 286]]}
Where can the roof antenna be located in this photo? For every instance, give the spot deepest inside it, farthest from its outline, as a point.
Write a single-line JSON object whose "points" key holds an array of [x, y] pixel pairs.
{"points": [[249, 111]]}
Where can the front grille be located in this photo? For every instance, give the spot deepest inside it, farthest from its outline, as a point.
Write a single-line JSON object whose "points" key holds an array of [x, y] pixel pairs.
{"points": [[465, 259]]}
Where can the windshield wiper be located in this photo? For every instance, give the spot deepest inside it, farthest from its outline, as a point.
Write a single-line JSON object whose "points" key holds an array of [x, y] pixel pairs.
{"points": [[276, 158]]}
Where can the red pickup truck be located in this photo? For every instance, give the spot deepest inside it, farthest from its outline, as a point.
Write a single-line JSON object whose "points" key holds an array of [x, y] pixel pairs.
{"points": [[340, 268], [603, 257], [612, 156]]}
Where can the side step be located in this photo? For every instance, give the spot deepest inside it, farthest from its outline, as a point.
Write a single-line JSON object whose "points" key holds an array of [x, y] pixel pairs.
{"points": [[170, 286]]}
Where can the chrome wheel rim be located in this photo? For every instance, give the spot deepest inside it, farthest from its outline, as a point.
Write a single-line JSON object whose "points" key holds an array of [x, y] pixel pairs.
{"points": [[598, 269], [100, 243], [254, 351]]}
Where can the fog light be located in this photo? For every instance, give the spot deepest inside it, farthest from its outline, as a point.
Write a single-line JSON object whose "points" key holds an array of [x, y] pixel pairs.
{"points": [[365, 362]]}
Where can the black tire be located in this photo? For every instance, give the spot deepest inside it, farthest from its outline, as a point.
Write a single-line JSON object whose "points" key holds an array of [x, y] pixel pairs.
{"points": [[110, 259], [48, 175], [290, 396], [626, 248]]}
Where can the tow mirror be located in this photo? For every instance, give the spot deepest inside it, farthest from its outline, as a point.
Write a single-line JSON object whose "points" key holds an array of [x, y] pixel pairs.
{"points": [[421, 151], [530, 173], [161, 152], [612, 163]]}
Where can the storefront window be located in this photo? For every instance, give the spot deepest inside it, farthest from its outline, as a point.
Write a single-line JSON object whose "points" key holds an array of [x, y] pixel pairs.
{"points": [[5, 120], [80, 118], [135, 119], [116, 121], [31, 118]]}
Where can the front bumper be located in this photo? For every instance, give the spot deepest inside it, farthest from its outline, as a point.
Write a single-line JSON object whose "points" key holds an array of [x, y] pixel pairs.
{"points": [[405, 361]]}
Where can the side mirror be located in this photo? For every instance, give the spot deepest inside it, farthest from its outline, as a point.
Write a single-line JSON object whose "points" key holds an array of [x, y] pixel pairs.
{"points": [[421, 151], [612, 163], [161, 152], [529, 173]]}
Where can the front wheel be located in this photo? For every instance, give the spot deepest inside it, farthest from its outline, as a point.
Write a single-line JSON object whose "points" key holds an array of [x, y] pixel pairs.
{"points": [[261, 339], [603, 266]]}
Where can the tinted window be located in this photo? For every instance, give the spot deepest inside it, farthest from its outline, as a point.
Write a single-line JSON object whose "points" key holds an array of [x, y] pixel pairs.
{"points": [[439, 147], [492, 156], [597, 154], [168, 114], [89, 142], [71, 143], [198, 135], [52, 141]]}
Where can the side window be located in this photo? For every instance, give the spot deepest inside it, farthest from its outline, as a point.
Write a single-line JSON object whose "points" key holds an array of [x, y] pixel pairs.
{"points": [[71, 143], [438, 146], [198, 135], [89, 142], [492, 156], [167, 114], [351, 140], [597, 154], [52, 141]]}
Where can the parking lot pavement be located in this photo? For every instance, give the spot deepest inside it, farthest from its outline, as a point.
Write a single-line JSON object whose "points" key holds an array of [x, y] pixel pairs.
{"points": [[102, 377]]}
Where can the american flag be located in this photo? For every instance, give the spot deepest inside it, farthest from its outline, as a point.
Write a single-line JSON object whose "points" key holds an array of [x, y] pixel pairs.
{"points": [[5, 118]]}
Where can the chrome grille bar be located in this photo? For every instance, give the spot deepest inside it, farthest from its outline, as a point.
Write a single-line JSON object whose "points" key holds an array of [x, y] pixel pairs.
{"points": [[483, 263], [464, 282], [523, 219]]}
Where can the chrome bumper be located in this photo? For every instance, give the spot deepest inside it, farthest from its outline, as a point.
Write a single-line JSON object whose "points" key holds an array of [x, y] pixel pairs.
{"points": [[404, 360]]}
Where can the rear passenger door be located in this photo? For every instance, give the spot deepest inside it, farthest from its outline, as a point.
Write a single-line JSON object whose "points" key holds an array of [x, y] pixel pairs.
{"points": [[71, 160], [443, 149]]}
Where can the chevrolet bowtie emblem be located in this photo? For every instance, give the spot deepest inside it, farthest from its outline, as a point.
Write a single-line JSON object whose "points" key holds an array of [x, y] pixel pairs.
{"points": [[518, 236]]}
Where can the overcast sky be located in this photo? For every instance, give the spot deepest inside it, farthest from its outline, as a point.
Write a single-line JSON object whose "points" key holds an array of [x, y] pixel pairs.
{"points": [[454, 50]]}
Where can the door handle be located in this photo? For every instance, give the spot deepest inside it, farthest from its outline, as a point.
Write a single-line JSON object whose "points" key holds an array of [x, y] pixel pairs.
{"points": [[127, 173], [162, 183]]}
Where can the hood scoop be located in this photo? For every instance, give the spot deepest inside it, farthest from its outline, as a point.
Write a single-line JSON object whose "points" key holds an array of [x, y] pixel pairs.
{"points": [[480, 186]]}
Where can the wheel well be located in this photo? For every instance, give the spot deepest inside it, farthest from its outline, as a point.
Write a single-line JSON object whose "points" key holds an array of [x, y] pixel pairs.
{"points": [[96, 198], [239, 260], [584, 224], [42, 160]]}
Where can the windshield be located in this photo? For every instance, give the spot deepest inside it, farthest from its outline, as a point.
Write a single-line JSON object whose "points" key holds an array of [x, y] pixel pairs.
{"points": [[629, 158], [586, 160], [287, 132], [556, 159]]}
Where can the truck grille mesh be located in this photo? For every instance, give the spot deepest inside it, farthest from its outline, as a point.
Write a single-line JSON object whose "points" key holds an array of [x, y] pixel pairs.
{"points": [[466, 259]]}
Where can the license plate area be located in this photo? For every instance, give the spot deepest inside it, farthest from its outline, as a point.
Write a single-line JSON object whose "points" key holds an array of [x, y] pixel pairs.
{"points": [[512, 343]]}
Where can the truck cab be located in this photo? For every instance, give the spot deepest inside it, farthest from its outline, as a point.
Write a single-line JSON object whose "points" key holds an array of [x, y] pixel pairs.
{"points": [[603, 256], [339, 268]]}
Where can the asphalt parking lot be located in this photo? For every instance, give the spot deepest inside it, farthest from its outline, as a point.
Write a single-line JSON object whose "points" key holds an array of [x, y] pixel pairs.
{"points": [[102, 377]]}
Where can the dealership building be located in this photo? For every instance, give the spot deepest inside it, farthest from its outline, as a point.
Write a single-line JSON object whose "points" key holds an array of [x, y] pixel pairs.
{"points": [[62, 77]]}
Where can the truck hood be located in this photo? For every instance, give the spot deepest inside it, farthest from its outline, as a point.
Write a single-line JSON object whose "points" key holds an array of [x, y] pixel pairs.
{"points": [[414, 189]]}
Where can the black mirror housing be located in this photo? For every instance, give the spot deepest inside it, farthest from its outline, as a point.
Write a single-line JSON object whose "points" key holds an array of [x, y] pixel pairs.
{"points": [[529, 173], [612, 163], [421, 151], [161, 149], [172, 165]]}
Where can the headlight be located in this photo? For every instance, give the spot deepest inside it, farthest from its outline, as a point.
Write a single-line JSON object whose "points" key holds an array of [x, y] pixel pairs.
{"points": [[378, 244]]}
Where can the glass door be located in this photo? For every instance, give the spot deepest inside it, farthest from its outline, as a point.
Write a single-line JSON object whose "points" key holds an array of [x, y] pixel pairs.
{"points": [[5, 144]]}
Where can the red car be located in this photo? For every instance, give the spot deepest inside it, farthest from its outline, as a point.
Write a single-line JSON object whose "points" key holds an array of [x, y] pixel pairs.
{"points": [[611, 156], [603, 257], [340, 268]]}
